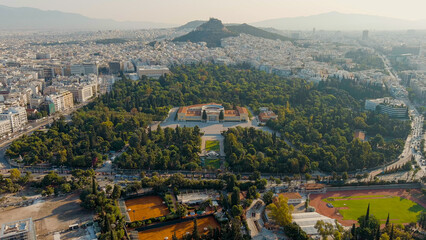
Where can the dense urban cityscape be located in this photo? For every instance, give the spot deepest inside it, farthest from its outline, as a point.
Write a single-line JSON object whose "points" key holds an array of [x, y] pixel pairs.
{"points": [[212, 130]]}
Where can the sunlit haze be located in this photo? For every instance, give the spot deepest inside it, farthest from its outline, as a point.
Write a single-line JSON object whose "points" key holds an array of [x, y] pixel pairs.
{"points": [[181, 11]]}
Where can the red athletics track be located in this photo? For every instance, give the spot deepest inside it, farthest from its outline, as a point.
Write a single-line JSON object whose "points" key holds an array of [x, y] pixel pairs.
{"points": [[414, 195]]}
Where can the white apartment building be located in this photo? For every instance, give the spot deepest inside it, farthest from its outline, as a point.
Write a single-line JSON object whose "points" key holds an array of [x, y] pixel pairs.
{"points": [[5, 127], [36, 101], [62, 101], [17, 116], [152, 71], [83, 93]]}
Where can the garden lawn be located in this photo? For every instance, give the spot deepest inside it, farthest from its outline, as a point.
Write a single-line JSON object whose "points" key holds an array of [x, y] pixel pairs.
{"points": [[401, 210], [214, 163], [212, 145]]}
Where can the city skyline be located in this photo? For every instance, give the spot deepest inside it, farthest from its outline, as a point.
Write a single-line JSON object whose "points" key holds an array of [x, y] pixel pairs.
{"points": [[180, 12]]}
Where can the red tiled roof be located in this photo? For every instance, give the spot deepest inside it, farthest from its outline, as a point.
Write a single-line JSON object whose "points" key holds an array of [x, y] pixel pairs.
{"points": [[182, 110], [242, 110], [231, 113]]}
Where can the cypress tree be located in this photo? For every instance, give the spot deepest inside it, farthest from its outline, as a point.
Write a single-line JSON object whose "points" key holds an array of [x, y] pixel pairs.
{"points": [[204, 116], [221, 115], [353, 231], [195, 234], [94, 189], [391, 234], [378, 233], [387, 220], [367, 216]]}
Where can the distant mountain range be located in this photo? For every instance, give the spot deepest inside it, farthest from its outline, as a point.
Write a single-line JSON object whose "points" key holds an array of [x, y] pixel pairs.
{"points": [[35, 19], [341, 21], [191, 25], [257, 32], [213, 31]]}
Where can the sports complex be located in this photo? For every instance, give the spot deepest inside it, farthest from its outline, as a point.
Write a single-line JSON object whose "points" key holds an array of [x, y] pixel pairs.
{"points": [[403, 205]]}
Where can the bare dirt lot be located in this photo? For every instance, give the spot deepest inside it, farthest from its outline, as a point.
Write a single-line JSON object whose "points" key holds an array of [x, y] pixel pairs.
{"points": [[316, 200], [50, 215]]}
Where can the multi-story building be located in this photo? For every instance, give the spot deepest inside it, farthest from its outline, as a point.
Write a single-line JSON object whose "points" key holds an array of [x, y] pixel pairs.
{"points": [[77, 69], [154, 71], [43, 56], [82, 93], [128, 67], [265, 114], [84, 69], [63, 100], [365, 35], [212, 112], [18, 230], [17, 116], [115, 67], [90, 68], [5, 127], [36, 101], [392, 107], [68, 99]]}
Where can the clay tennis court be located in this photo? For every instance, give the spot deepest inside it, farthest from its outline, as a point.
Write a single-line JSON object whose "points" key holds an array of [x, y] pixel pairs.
{"points": [[316, 200], [146, 207], [180, 229]]}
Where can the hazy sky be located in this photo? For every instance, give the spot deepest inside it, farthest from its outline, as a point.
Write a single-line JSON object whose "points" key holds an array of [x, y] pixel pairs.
{"points": [[182, 11]]}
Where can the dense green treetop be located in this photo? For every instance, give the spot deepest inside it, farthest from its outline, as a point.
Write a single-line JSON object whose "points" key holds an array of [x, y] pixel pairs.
{"points": [[318, 119]]}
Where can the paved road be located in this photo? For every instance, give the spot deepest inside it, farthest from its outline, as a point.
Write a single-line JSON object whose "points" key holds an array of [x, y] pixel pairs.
{"points": [[4, 164], [416, 124], [254, 214]]}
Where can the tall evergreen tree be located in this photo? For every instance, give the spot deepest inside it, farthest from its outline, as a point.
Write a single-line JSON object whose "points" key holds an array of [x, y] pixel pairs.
{"points": [[367, 215], [391, 234], [204, 116], [195, 233], [353, 231], [94, 189], [221, 115], [378, 233], [387, 220], [116, 192]]}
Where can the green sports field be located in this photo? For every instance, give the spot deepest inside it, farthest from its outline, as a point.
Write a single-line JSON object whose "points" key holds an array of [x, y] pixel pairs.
{"points": [[401, 210]]}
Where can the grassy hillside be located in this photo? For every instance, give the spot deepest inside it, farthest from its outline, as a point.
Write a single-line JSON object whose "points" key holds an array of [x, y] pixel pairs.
{"points": [[213, 39], [213, 31], [257, 32]]}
